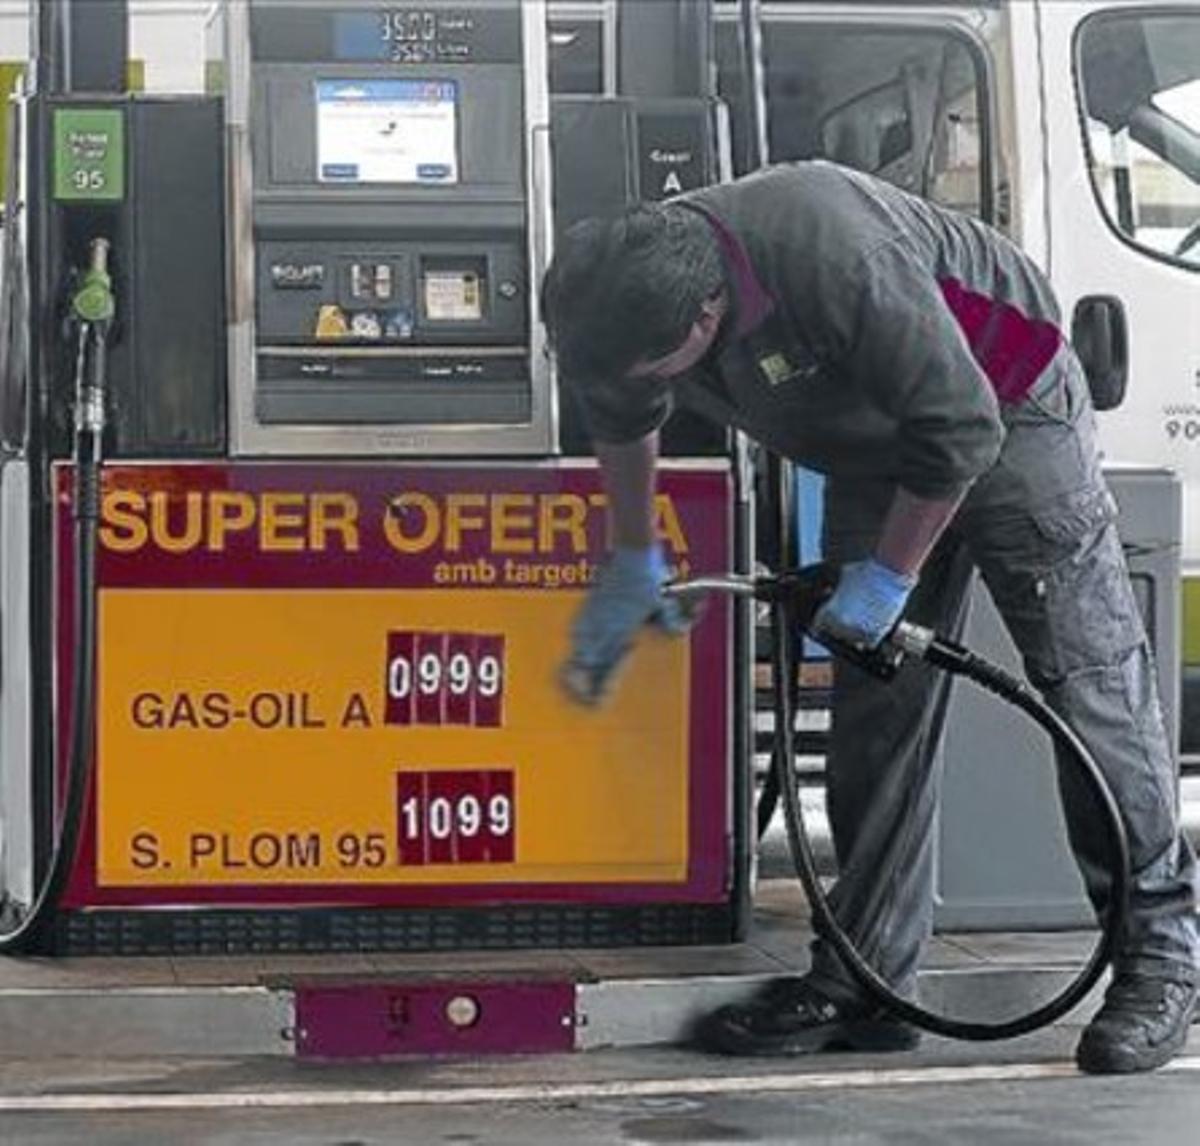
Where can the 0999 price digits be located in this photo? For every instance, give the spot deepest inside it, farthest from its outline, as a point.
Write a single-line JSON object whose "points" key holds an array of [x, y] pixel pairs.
{"points": [[432, 674], [444, 678]]}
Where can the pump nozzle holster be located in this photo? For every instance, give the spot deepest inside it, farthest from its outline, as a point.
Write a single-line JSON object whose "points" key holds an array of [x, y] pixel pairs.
{"points": [[92, 302]]}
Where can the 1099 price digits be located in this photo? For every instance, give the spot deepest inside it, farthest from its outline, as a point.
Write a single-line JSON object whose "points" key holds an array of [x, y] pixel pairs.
{"points": [[456, 817]]}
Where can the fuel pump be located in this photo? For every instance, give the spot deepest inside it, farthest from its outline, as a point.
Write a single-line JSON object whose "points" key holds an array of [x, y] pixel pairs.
{"points": [[390, 219], [98, 183], [336, 533], [92, 309]]}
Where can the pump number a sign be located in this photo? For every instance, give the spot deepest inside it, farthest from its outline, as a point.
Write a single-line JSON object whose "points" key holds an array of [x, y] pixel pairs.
{"points": [[341, 682]]}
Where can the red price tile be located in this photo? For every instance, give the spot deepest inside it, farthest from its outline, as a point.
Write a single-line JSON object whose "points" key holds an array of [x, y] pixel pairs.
{"points": [[444, 678], [429, 677], [460, 678], [441, 814], [456, 817], [489, 681], [399, 686], [411, 795], [500, 817]]}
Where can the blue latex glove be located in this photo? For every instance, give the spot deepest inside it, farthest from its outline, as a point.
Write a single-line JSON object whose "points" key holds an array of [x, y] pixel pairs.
{"points": [[866, 605], [626, 594]]}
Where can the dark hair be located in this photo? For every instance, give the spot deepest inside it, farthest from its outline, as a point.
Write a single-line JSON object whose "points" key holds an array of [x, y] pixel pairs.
{"points": [[628, 288]]}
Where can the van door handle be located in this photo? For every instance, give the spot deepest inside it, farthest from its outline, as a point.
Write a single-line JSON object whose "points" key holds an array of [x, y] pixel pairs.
{"points": [[1100, 336]]}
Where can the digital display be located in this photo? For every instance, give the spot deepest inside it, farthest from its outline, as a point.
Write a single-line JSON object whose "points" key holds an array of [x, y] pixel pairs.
{"points": [[387, 131], [403, 35]]}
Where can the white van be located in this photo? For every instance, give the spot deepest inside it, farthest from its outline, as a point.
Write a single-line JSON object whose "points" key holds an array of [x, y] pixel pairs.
{"points": [[1072, 125]]}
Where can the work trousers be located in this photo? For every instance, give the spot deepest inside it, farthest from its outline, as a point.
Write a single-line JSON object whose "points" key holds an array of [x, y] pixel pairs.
{"points": [[1040, 528]]}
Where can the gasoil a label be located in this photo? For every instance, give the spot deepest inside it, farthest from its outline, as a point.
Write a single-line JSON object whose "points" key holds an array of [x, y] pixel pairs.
{"points": [[314, 679]]}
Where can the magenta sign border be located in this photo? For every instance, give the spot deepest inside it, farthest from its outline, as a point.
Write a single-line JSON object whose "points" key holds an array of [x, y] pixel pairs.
{"points": [[703, 499]]}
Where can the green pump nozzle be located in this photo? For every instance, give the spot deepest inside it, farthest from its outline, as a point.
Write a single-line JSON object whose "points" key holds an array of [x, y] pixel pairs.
{"points": [[93, 302], [92, 310]]}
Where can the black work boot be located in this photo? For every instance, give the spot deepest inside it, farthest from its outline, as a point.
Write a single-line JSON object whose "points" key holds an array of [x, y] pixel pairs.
{"points": [[793, 1017], [1143, 1024]]}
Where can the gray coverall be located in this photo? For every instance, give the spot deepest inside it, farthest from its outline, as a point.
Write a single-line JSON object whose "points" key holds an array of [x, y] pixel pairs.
{"points": [[888, 342]]}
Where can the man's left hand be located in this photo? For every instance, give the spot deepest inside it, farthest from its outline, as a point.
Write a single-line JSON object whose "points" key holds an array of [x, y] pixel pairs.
{"points": [[626, 594], [866, 605]]}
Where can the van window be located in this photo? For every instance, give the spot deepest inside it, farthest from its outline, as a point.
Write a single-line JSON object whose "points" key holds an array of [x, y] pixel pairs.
{"points": [[1139, 85], [906, 104]]}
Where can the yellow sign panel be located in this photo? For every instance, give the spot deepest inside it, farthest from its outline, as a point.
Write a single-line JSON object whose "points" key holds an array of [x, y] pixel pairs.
{"points": [[379, 736]]}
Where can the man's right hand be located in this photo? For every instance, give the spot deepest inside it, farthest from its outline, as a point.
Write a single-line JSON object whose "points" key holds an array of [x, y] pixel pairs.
{"points": [[626, 593]]}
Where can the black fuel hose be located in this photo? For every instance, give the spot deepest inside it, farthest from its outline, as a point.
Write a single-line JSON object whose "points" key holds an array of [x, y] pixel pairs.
{"points": [[30, 933], [794, 599]]}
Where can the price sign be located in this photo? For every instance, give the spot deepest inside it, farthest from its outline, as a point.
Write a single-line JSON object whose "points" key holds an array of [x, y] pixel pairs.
{"points": [[456, 817], [444, 678], [343, 689]]}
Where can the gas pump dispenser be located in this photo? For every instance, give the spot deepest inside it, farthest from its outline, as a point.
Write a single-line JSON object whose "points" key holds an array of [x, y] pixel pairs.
{"points": [[335, 568], [392, 197]]}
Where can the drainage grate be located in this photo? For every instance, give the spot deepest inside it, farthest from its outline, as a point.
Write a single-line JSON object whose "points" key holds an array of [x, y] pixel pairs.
{"points": [[316, 931]]}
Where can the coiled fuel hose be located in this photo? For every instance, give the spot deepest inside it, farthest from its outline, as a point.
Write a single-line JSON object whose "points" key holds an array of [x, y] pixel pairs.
{"points": [[92, 311], [794, 598]]}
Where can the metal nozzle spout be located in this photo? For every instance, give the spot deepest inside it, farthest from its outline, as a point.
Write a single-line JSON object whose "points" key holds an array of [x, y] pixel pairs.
{"points": [[98, 256], [734, 584]]}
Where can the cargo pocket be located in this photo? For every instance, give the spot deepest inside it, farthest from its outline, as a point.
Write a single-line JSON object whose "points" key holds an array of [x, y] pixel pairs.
{"points": [[1067, 520], [1060, 580]]}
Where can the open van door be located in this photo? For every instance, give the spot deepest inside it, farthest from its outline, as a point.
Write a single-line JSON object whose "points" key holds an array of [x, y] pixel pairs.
{"points": [[1123, 159], [899, 90], [903, 91]]}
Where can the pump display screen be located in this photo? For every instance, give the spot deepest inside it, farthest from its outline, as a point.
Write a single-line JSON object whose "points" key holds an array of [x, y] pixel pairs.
{"points": [[387, 131], [405, 35]]}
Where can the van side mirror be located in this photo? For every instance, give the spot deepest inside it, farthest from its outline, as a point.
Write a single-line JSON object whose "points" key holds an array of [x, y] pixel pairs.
{"points": [[1100, 336]]}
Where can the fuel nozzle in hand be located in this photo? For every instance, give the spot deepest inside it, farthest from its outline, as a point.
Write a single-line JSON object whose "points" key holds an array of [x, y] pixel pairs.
{"points": [[806, 595], [810, 597], [860, 615]]}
